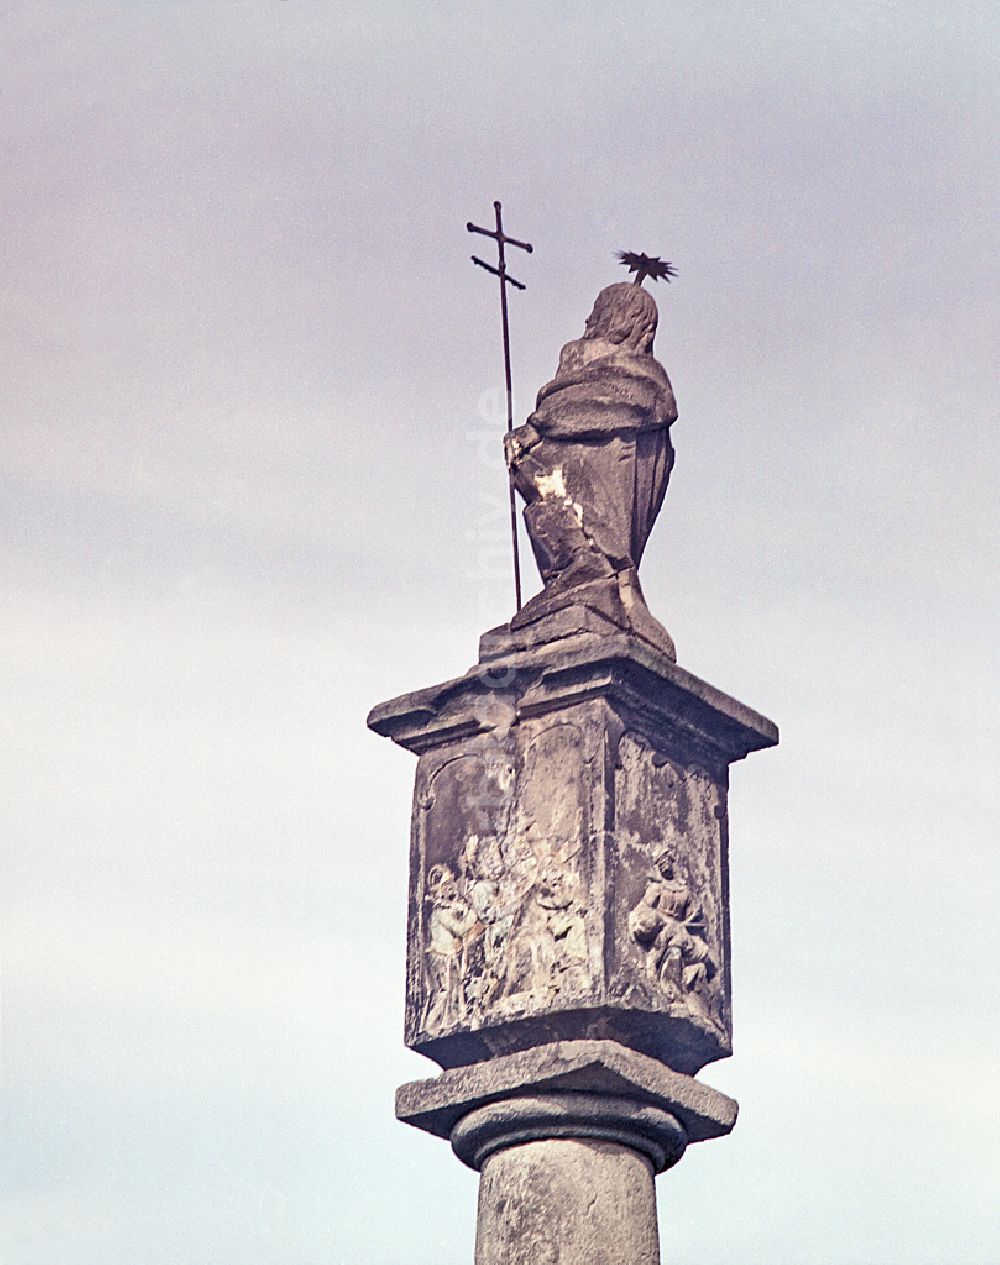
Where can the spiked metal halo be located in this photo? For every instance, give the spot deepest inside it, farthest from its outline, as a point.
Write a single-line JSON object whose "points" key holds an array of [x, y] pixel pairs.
{"points": [[646, 266]]}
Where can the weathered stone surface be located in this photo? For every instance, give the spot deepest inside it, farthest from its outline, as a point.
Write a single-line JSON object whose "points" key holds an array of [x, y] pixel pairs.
{"points": [[569, 873], [489, 695], [568, 928], [567, 1202], [593, 462], [438, 1104]]}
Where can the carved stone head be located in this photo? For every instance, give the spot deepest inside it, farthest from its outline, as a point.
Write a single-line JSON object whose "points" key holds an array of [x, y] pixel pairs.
{"points": [[664, 861], [440, 883], [624, 314]]}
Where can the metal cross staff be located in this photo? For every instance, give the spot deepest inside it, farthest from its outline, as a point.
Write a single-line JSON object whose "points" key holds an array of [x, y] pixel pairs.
{"points": [[502, 240]]}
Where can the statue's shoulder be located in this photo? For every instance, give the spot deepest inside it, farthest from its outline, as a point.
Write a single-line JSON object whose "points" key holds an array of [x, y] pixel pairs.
{"points": [[580, 352], [592, 374], [591, 359]]}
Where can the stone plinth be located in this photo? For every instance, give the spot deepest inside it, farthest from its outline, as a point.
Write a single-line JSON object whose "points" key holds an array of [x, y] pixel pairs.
{"points": [[568, 858]]}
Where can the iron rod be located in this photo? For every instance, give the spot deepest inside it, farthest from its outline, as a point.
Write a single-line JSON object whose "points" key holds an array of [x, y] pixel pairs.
{"points": [[510, 404]]}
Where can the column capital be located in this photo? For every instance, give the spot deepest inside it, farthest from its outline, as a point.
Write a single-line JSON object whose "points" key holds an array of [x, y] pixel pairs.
{"points": [[655, 1133], [601, 1070]]}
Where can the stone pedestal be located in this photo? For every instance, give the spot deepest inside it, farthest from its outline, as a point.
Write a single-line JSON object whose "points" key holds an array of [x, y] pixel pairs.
{"points": [[568, 943], [569, 853]]}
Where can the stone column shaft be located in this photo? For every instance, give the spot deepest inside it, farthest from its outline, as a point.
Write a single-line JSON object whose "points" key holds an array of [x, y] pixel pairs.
{"points": [[568, 1178], [559, 1201]]}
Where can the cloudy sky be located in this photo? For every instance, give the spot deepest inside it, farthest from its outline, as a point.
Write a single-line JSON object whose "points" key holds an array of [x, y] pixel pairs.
{"points": [[250, 449]]}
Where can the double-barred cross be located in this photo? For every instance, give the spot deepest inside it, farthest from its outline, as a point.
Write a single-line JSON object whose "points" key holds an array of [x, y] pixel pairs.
{"points": [[502, 240]]}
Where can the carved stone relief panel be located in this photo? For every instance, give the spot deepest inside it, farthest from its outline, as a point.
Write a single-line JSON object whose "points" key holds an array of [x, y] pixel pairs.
{"points": [[671, 928], [548, 958], [462, 814], [500, 890]]}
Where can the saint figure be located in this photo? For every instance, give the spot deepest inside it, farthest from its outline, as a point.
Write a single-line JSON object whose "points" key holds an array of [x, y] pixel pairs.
{"points": [[592, 463]]}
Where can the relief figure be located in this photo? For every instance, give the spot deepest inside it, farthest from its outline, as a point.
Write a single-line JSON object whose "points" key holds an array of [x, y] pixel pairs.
{"points": [[548, 946], [485, 964], [669, 926], [558, 895], [451, 921]]}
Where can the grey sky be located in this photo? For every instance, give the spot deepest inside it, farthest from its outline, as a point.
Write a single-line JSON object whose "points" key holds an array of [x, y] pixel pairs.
{"points": [[250, 461]]}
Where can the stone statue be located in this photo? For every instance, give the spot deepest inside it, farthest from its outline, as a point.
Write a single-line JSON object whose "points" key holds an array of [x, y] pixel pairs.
{"points": [[592, 463]]}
